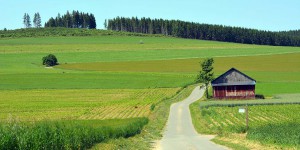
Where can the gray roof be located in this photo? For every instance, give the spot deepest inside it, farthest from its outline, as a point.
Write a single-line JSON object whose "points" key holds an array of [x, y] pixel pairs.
{"points": [[233, 77]]}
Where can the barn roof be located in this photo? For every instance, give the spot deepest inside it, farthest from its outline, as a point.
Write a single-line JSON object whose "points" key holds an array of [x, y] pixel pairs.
{"points": [[233, 77]]}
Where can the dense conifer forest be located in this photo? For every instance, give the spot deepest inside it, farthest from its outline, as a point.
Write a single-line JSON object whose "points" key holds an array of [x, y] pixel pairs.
{"points": [[75, 19], [194, 30]]}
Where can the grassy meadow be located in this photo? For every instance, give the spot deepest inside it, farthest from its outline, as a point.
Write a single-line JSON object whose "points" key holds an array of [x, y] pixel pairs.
{"points": [[115, 76]]}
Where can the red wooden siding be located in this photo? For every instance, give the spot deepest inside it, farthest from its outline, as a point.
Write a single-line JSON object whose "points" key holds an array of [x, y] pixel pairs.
{"points": [[234, 92]]}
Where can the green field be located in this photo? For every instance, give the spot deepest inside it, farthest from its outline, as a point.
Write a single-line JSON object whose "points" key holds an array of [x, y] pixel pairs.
{"points": [[109, 76], [268, 124], [55, 104]]}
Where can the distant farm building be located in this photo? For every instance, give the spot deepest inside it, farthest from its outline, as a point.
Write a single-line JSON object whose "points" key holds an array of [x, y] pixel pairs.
{"points": [[233, 84]]}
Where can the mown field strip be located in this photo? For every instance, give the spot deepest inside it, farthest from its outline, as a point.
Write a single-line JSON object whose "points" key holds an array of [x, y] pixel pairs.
{"points": [[284, 62], [79, 104]]}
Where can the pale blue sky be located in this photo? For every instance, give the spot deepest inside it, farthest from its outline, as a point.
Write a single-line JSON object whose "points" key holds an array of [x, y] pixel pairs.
{"points": [[271, 15]]}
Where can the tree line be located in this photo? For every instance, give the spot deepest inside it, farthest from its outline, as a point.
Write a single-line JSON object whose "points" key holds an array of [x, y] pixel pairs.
{"points": [[37, 21], [202, 31], [295, 33], [75, 19]]}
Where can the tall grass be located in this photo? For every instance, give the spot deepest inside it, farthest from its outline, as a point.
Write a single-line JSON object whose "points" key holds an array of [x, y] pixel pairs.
{"points": [[64, 135], [281, 134]]}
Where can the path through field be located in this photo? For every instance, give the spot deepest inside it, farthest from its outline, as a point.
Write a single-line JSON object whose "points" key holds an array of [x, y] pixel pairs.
{"points": [[180, 133]]}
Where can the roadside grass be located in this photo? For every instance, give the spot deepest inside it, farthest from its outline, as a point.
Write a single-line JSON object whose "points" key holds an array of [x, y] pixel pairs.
{"points": [[277, 100], [79, 104], [152, 132], [66, 134], [240, 142]]}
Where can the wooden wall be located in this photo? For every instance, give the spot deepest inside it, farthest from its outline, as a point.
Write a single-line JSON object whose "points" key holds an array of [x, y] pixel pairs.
{"points": [[234, 92]]}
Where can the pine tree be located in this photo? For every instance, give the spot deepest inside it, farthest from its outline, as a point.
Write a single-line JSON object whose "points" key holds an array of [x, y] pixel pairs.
{"points": [[34, 20], [73, 20], [92, 24], [105, 24], [26, 21], [39, 20]]}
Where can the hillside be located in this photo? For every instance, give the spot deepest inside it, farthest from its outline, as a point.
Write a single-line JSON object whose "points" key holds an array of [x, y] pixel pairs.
{"points": [[60, 31], [119, 75]]}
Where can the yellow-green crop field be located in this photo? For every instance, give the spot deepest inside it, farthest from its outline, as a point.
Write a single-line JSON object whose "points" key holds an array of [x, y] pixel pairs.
{"points": [[83, 104]]}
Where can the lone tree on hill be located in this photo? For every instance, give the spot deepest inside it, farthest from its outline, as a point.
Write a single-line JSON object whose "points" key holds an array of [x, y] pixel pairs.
{"points": [[50, 60], [206, 75]]}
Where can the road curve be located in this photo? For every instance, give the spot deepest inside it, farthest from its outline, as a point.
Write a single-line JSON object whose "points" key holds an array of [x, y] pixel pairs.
{"points": [[180, 133]]}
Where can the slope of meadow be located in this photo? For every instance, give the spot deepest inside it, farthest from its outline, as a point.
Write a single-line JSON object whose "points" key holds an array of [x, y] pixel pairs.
{"points": [[113, 75]]}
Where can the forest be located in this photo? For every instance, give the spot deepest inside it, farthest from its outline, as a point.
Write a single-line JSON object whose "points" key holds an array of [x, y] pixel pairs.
{"points": [[75, 19], [194, 30]]}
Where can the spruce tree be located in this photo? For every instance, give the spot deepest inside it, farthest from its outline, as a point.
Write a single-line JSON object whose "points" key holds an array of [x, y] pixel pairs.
{"points": [[28, 21], [24, 20], [38, 20]]}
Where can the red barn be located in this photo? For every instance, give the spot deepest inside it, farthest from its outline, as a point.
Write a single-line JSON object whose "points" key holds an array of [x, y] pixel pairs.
{"points": [[233, 84]]}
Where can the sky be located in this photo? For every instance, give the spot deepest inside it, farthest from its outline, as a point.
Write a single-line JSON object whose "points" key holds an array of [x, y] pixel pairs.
{"points": [[272, 15]]}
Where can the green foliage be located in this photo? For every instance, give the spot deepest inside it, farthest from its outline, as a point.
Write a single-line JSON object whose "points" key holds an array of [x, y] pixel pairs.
{"points": [[259, 96], [203, 31], [75, 19], [284, 134], [206, 75], [65, 134], [152, 107], [26, 20], [37, 22], [49, 60]]}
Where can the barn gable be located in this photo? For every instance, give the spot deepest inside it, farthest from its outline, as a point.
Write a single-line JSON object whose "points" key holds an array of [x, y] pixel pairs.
{"points": [[233, 77]]}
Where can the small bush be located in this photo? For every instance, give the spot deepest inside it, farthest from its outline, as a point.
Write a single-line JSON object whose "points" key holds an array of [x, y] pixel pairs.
{"points": [[50, 60], [152, 107], [259, 96]]}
